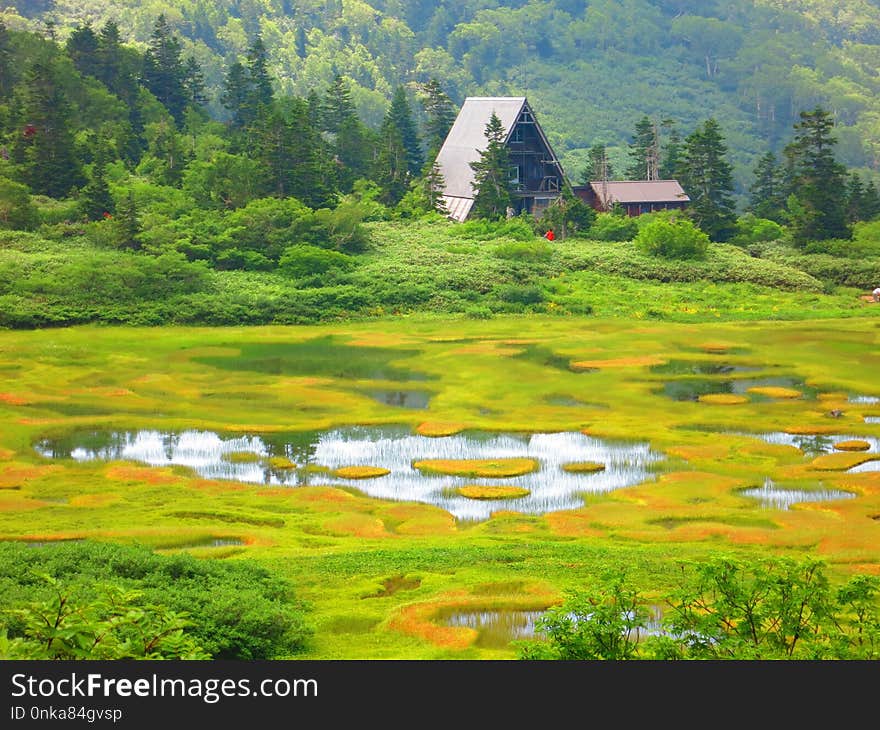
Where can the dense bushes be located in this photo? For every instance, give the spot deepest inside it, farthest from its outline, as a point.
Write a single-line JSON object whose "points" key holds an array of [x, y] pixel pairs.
{"points": [[236, 609], [613, 227], [679, 239]]}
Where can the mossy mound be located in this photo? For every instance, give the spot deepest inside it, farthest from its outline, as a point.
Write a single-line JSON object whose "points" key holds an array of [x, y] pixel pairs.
{"points": [[489, 468], [773, 391], [360, 472], [476, 491], [723, 399], [810, 430], [241, 457], [438, 428], [842, 461], [281, 462], [583, 467], [852, 445]]}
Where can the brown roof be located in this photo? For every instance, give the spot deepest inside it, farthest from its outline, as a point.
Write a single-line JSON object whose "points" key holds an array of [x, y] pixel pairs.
{"points": [[640, 191]]}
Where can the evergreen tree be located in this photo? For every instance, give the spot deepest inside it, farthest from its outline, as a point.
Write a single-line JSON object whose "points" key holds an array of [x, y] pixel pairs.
{"points": [[109, 52], [5, 62], [82, 47], [707, 179], [855, 198], [45, 148], [258, 75], [598, 167], [401, 116], [644, 152], [870, 202], [337, 108], [671, 152], [128, 224], [391, 173], [440, 112], [767, 193], [492, 189], [194, 83], [164, 72], [351, 142], [235, 96], [434, 186], [95, 200], [819, 183]]}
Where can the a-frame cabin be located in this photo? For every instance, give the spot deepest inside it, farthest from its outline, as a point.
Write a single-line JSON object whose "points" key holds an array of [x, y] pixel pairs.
{"points": [[535, 173]]}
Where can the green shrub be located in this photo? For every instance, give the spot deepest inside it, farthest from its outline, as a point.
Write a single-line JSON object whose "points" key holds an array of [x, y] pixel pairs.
{"points": [[478, 312], [515, 294], [533, 251], [301, 260], [16, 209], [679, 239], [610, 227], [751, 230]]}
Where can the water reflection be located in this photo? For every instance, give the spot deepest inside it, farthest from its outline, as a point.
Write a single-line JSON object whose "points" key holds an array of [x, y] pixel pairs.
{"points": [[690, 389], [816, 444], [772, 496], [550, 488]]}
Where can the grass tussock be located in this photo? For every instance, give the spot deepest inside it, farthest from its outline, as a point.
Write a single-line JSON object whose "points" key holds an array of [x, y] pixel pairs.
{"points": [[360, 472], [488, 468], [583, 467], [852, 445], [772, 391], [476, 491], [723, 399], [439, 428]]}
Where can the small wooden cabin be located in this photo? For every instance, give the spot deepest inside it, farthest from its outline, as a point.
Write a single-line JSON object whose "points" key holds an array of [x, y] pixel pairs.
{"points": [[636, 196]]}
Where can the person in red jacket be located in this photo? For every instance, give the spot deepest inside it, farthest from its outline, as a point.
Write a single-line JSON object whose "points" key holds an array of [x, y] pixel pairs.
{"points": [[549, 236]]}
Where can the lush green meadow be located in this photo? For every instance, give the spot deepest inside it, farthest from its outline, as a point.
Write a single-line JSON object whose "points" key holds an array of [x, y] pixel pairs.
{"points": [[377, 575]]}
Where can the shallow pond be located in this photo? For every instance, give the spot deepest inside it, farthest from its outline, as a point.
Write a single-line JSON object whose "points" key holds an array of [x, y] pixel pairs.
{"points": [[245, 458], [816, 444], [690, 389], [772, 496], [497, 628]]}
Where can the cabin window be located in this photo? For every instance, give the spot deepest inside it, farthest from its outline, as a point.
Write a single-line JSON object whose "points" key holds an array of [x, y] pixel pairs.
{"points": [[526, 117], [515, 175], [517, 134]]}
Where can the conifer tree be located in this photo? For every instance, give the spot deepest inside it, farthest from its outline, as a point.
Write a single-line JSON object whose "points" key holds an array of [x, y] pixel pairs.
{"points": [[194, 83], [235, 95], [707, 179], [870, 202], [351, 141], [95, 200], [128, 224], [819, 183], [440, 113], [598, 166], [82, 47], [258, 74], [391, 171], [855, 198], [164, 72], [401, 116], [644, 152], [670, 152], [45, 146], [5, 62], [492, 189], [434, 186], [767, 191]]}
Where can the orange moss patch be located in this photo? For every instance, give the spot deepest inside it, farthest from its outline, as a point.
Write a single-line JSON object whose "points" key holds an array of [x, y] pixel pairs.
{"points": [[772, 391], [583, 467], [723, 399], [13, 399], [94, 500], [810, 430], [690, 453], [439, 428], [11, 503], [356, 525], [714, 348], [831, 397], [619, 362], [574, 523], [436, 522], [840, 462], [6, 454], [853, 445], [316, 494], [476, 491], [149, 475], [360, 472], [489, 468]]}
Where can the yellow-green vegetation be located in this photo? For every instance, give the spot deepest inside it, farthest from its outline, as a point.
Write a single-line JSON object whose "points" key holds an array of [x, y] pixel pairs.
{"points": [[281, 462], [772, 391], [436, 428], [488, 468], [723, 399], [478, 491], [583, 467], [852, 445], [337, 547], [360, 472], [241, 457]]}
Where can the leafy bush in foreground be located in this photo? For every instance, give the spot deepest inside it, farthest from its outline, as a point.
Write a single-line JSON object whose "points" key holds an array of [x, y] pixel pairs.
{"points": [[235, 609]]}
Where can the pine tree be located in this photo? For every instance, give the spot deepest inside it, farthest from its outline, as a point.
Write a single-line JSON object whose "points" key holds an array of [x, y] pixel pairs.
{"points": [[95, 200], [818, 180], [671, 151], [434, 186], [767, 193], [598, 167], [128, 224], [440, 112], [351, 142], [870, 202], [644, 152], [258, 74], [45, 148], [164, 73], [401, 115], [855, 198], [82, 47], [194, 83], [5, 62], [391, 173], [492, 189], [707, 179], [235, 95], [109, 52]]}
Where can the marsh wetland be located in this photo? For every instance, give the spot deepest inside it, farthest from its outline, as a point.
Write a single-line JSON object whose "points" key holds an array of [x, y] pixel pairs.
{"points": [[461, 474]]}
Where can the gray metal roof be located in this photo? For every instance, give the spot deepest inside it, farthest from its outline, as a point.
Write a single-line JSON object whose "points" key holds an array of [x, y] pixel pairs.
{"points": [[640, 191]]}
